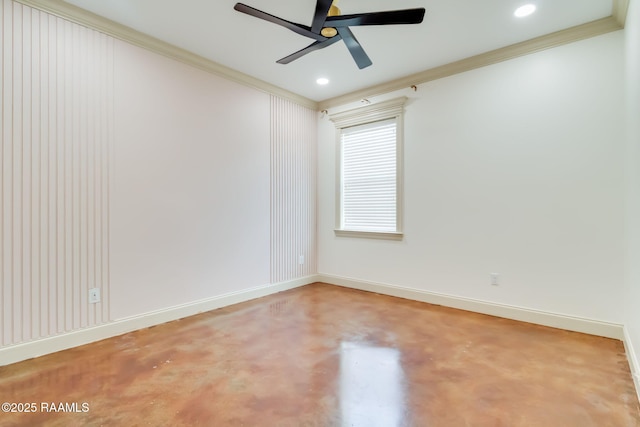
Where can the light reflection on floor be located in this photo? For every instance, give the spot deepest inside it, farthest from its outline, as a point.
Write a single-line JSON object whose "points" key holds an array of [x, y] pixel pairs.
{"points": [[371, 386], [321, 356]]}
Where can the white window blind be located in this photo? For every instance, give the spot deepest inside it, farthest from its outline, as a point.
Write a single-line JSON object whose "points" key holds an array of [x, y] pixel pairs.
{"points": [[369, 177]]}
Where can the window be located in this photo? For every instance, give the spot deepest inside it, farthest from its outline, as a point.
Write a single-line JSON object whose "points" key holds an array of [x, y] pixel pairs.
{"points": [[368, 185], [369, 164]]}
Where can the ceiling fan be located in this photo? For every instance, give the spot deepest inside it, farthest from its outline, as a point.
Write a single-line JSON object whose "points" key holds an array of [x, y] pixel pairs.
{"points": [[330, 26]]}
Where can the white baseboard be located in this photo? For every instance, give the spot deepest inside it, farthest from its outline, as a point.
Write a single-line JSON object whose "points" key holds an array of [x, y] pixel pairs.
{"points": [[634, 363], [28, 350], [31, 349], [576, 324]]}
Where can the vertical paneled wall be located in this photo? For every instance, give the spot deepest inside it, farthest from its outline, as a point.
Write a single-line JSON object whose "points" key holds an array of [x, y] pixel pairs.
{"points": [[57, 125], [293, 190]]}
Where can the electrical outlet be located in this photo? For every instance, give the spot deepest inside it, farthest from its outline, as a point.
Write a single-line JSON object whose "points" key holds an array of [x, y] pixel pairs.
{"points": [[301, 259], [495, 279], [94, 295]]}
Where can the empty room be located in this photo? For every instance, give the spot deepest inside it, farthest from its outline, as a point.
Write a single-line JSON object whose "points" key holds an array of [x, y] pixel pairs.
{"points": [[320, 213]]}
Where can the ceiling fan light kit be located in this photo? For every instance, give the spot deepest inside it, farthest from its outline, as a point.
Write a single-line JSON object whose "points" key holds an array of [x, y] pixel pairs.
{"points": [[330, 26]]}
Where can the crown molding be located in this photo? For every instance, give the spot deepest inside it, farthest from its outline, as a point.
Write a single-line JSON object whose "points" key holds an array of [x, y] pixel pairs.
{"points": [[88, 19], [85, 18], [559, 38], [620, 8]]}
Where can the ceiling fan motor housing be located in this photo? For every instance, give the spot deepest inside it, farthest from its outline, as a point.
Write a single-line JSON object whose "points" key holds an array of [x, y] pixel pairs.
{"points": [[331, 31]]}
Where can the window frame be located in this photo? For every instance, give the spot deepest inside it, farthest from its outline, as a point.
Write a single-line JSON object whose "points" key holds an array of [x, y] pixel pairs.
{"points": [[387, 110]]}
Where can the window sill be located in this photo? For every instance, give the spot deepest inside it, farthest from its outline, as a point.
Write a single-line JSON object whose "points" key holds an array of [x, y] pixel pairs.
{"points": [[370, 234]]}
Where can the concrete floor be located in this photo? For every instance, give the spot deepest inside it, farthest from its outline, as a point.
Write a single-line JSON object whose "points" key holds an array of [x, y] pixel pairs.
{"points": [[328, 356]]}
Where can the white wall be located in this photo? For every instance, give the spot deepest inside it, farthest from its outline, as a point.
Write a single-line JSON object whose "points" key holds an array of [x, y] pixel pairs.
{"points": [[190, 210], [293, 190], [55, 130], [515, 168], [170, 189], [632, 298]]}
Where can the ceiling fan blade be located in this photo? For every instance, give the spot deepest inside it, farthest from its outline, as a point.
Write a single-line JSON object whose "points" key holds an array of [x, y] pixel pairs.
{"points": [[322, 9], [356, 50], [405, 16], [312, 47], [296, 28]]}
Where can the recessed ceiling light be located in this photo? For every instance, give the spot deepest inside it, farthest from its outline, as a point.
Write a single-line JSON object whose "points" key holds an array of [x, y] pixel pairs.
{"points": [[525, 10], [322, 81]]}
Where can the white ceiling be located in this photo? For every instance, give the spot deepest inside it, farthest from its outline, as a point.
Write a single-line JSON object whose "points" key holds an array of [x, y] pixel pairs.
{"points": [[452, 30]]}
